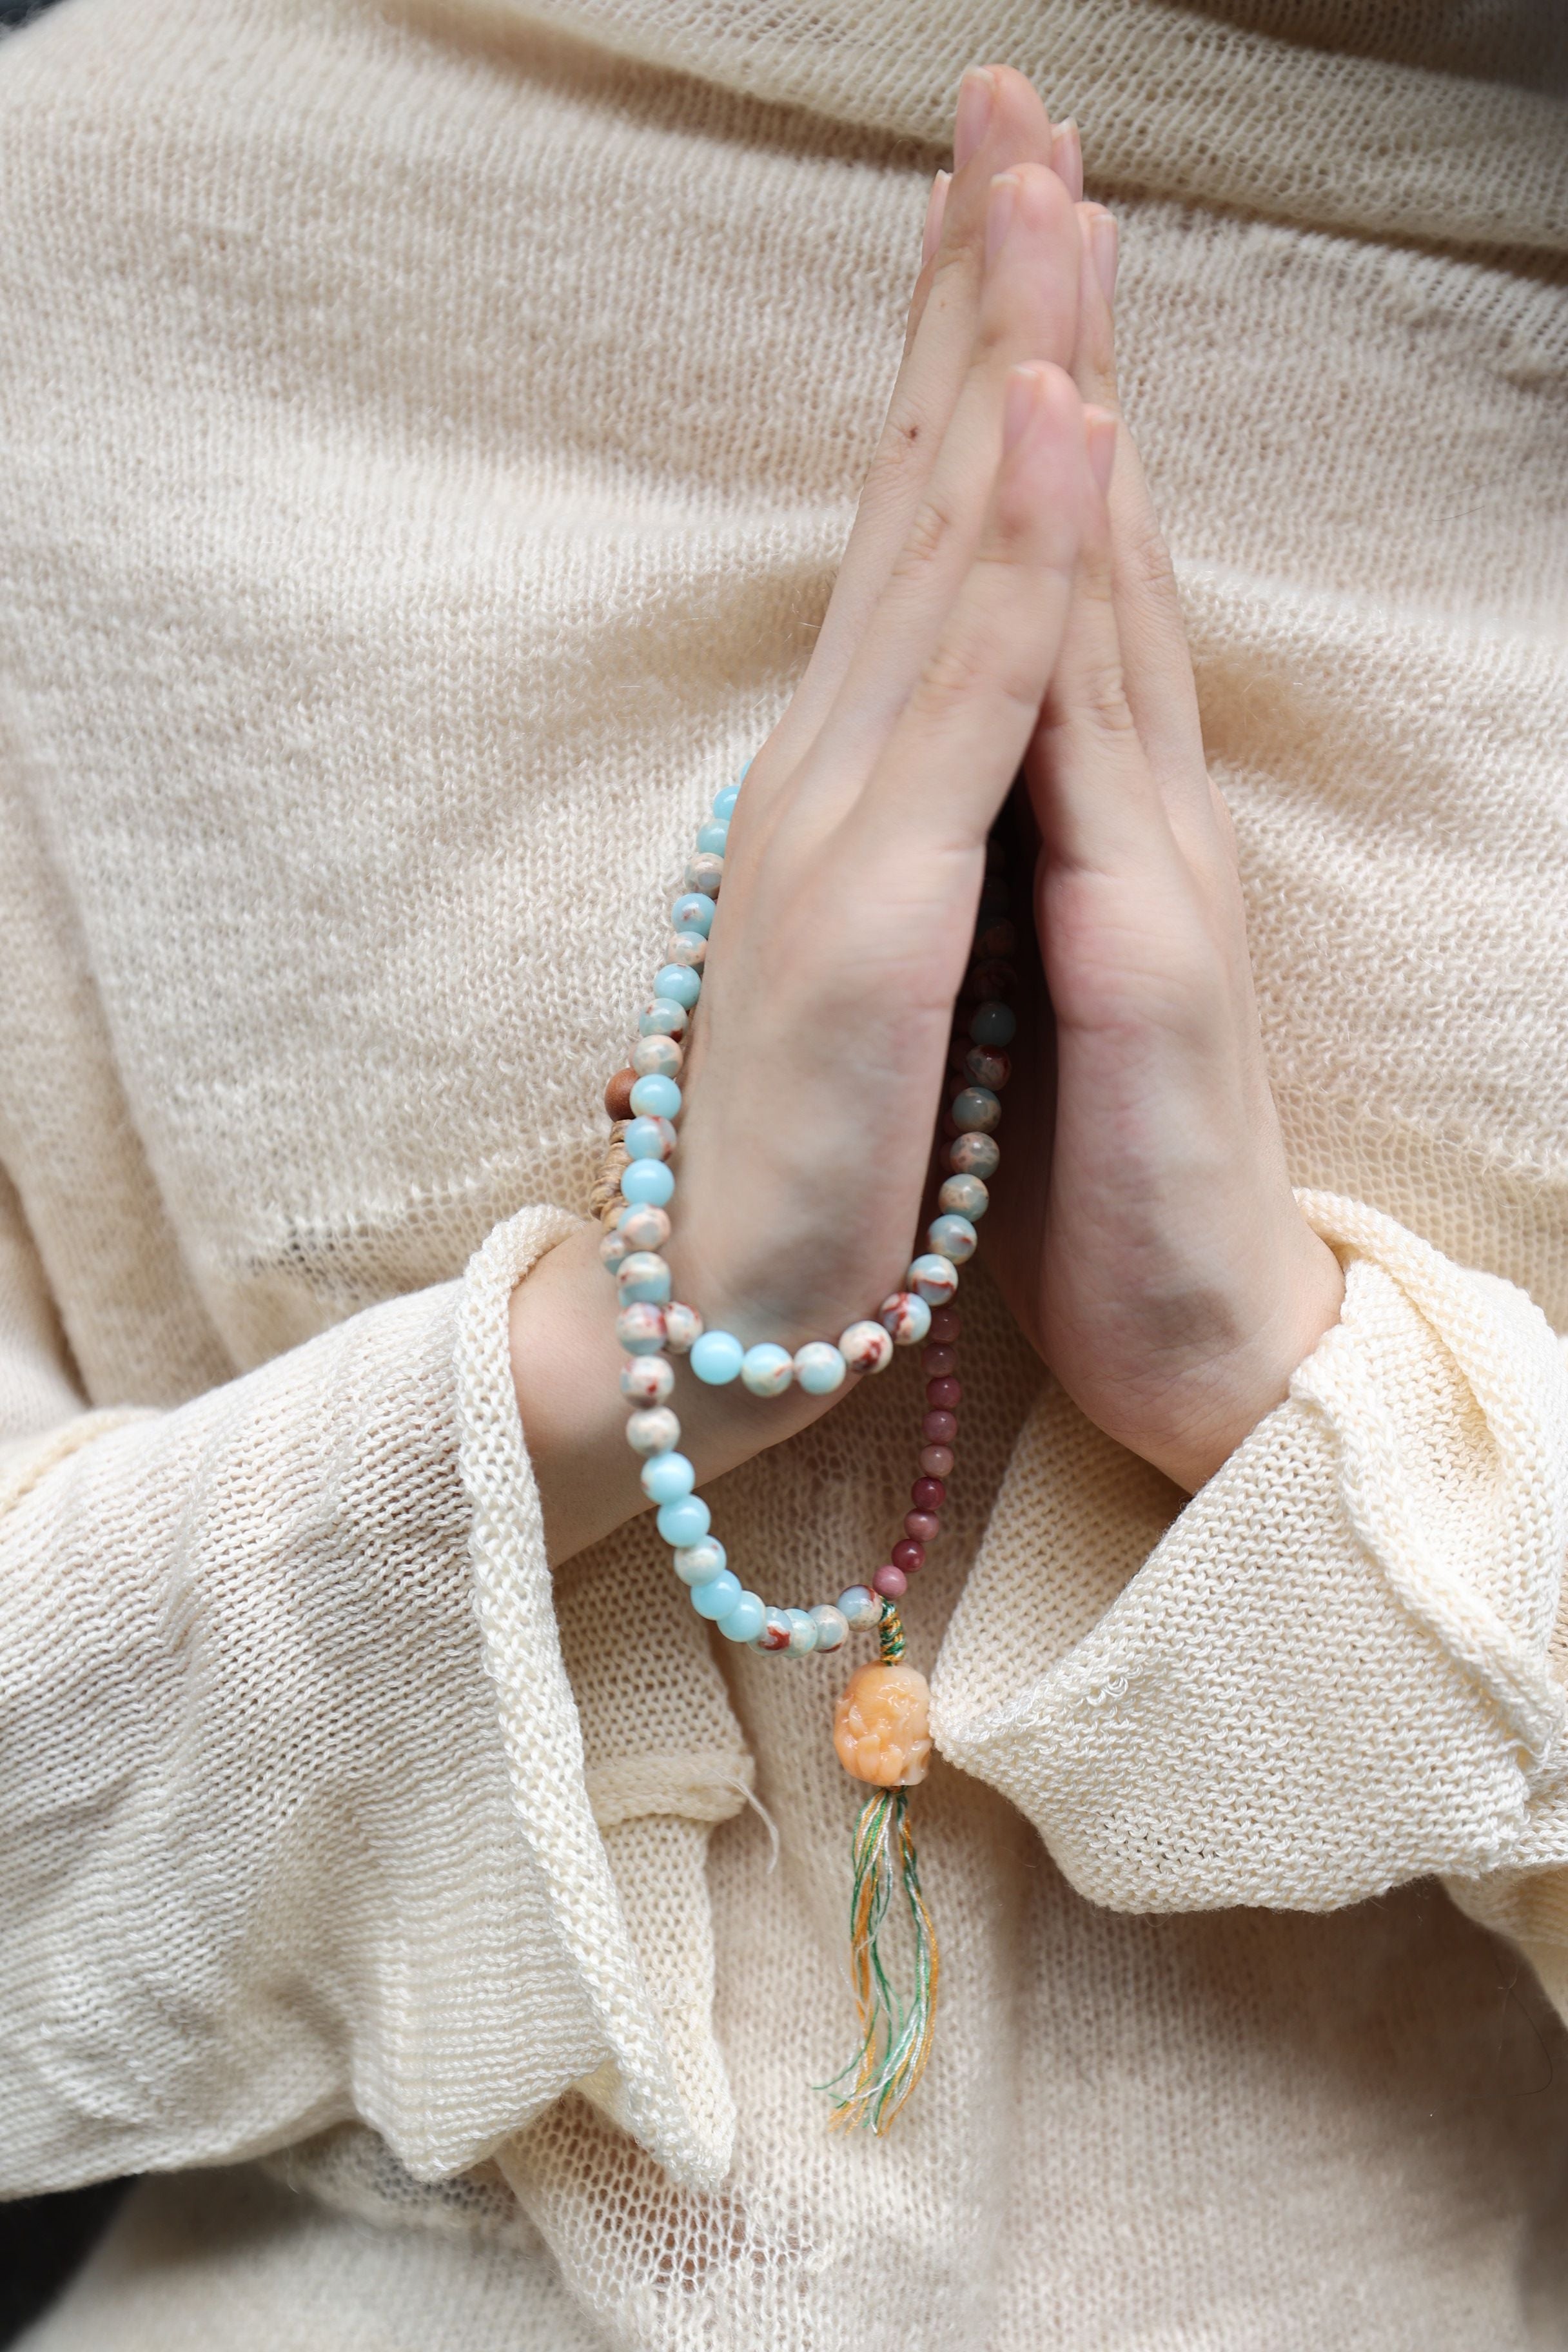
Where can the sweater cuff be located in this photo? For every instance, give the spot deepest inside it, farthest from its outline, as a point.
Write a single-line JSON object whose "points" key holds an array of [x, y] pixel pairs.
{"points": [[681, 2112], [1330, 1673], [260, 1866]]}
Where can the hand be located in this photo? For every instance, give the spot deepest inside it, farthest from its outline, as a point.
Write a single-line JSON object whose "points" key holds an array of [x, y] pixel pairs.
{"points": [[854, 857], [1165, 1274]]}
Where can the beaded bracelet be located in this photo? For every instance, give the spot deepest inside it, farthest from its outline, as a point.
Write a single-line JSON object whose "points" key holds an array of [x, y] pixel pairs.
{"points": [[881, 1727]]}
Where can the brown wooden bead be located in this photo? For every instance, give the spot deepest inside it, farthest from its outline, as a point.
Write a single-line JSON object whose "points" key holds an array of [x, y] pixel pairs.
{"points": [[618, 1094]]}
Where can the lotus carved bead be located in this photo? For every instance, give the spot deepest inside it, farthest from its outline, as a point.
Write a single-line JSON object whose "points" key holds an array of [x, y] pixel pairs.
{"points": [[882, 1726]]}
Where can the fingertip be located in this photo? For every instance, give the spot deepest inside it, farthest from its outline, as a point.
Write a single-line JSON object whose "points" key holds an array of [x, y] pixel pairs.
{"points": [[1100, 444], [1022, 400], [1040, 398], [972, 117], [1066, 157], [936, 205]]}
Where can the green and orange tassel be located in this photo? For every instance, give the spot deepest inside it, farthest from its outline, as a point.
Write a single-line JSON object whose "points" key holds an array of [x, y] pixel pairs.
{"points": [[882, 1734]]}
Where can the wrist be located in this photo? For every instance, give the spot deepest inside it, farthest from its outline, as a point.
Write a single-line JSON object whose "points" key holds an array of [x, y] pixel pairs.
{"points": [[565, 1369], [1222, 1402]]}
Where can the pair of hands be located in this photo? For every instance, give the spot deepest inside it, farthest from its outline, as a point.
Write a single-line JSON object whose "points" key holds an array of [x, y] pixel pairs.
{"points": [[1004, 605]]}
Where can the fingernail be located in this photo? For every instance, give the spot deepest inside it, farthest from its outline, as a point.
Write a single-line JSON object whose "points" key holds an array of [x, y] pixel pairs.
{"points": [[975, 92], [1100, 437], [935, 208], [1066, 157], [1020, 403], [1104, 244], [999, 213]]}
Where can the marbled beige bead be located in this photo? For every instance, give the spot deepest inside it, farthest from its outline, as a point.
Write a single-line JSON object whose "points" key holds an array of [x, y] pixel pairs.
{"points": [[882, 1725], [648, 1228], [705, 873], [865, 1348], [683, 1328], [657, 1057]]}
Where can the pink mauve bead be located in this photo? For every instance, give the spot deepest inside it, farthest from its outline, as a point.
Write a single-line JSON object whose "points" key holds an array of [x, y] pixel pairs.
{"points": [[946, 1325], [936, 1461], [942, 1396], [934, 1361], [908, 1556], [926, 1494], [890, 1582], [939, 1428], [923, 1525]]}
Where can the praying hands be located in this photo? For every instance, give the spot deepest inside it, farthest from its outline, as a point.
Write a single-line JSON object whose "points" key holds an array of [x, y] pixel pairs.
{"points": [[1003, 606]]}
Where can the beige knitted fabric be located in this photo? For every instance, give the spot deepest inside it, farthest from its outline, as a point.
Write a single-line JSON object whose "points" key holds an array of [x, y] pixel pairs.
{"points": [[429, 429]]}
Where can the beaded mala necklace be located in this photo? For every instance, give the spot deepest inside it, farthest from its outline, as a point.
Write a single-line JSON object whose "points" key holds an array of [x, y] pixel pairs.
{"points": [[881, 1727]]}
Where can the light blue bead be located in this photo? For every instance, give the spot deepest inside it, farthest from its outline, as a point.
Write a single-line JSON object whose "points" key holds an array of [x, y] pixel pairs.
{"points": [[667, 1477], [700, 1560], [652, 1180], [767, 1369], [714, 834], [745, 1621], [932, 1278], [963, 1196], [665, 1017], [860, 1608], [977, 1110], [906, 1317], [717, 1358], [718, 1596], [675, 981], [819, 1368], [952, 1236], [656, 1097], [646, 1139], [685, 1523], [832, 1626], [690, 948], [692, 913], [802, 1634], [724, 801], [993, 1025], [746, 772]]}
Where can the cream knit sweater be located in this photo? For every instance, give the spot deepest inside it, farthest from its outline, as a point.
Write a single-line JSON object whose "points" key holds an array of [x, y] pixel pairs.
{"points": [[428, 429]]}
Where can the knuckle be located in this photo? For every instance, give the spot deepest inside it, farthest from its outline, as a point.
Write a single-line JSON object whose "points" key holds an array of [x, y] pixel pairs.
{"points": [[1146, 561], [974, 668], [950, 679], [925, 543], [1100, 697]]}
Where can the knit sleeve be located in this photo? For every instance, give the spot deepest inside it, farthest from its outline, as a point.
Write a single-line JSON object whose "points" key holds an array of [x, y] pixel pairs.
{"points": [[1333, 1669], [262, 1866]]}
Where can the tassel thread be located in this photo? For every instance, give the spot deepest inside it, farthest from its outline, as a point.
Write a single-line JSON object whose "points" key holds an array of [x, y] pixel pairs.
{"points": [[895, 2036]]}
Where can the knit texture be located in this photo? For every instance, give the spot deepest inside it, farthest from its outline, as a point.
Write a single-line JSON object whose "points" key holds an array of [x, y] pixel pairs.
{"points": [[430, 429]]}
